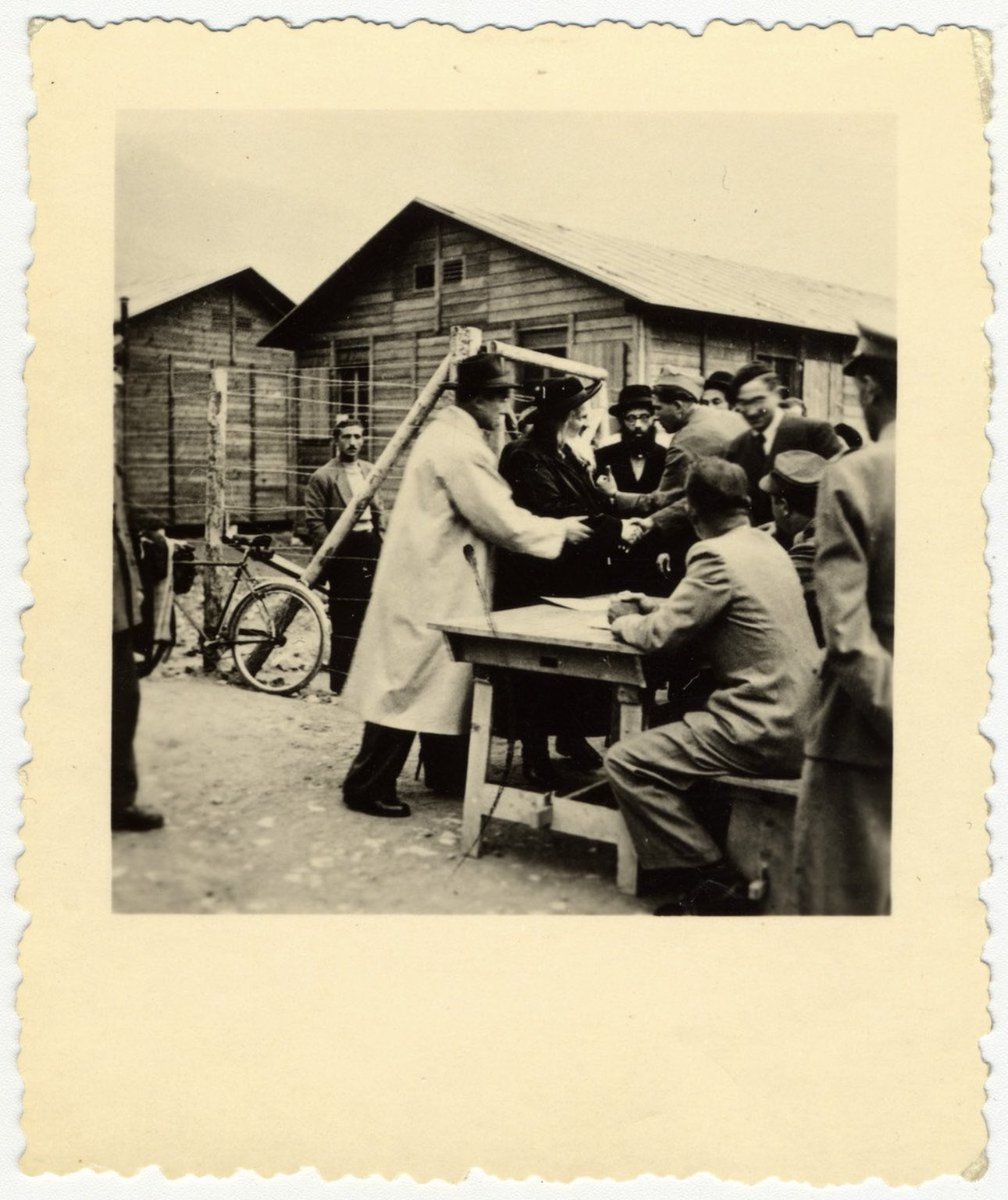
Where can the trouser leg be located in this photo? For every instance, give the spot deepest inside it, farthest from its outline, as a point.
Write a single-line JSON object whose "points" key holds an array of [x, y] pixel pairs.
{"points": [[651, 774], [444, 759], [375, 770], [843, 832], [351, 574], [125, 712]]}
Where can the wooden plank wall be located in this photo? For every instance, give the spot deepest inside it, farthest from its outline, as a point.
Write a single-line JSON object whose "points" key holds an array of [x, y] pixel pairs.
{"points": [[171, 352]]}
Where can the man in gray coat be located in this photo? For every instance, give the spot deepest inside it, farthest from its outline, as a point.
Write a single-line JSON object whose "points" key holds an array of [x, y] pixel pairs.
{"points": [[350, 570], [741, 604], [844, 816]]}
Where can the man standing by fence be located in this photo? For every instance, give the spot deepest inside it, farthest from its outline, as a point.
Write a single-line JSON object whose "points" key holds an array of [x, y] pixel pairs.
{"points": [[350, 570]]}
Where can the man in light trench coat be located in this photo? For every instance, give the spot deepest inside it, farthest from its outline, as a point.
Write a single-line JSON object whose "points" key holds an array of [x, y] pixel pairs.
{"points": [[403, 679]]}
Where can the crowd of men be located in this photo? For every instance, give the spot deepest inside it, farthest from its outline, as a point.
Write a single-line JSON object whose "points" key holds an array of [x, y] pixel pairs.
{"points": [[757, 547], [749, 550]]}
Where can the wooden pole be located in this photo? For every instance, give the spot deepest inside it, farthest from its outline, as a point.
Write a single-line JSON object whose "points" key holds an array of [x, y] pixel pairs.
{"points": [[567, 366], [464, 342], [170, 448], [216, 511]]}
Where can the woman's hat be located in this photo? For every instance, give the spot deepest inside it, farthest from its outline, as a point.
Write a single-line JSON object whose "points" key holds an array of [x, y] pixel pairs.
{"points": [[560, 396], [634, 395]]}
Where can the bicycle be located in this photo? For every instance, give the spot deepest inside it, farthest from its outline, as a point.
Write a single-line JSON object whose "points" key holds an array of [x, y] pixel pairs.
{"points": [[277, 632]]}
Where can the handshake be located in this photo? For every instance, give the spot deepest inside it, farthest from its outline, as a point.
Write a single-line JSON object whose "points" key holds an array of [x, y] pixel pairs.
{"points": [[633, 529]]}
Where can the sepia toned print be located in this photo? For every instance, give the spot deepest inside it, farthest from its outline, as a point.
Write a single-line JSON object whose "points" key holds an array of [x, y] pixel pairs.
{"points": [[408, 440], [504, 505]]}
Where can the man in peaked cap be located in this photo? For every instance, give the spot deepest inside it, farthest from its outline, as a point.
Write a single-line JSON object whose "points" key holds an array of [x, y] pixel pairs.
{"points": [[843, 820], [739, 604], [453, 505], [793, 486]]}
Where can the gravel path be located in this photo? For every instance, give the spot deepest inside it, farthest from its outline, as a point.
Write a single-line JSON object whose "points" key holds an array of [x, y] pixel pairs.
{"points": [[249, 786]]}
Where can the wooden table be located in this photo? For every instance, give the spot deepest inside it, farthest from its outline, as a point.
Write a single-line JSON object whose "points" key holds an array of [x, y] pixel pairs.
{"points": [[551, 641]]}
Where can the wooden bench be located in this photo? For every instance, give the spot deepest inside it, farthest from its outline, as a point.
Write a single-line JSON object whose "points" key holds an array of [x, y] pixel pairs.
{"points": [[761, 832]]}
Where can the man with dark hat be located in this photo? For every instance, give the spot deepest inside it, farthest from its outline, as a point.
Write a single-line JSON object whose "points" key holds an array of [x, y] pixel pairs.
{"points": [[435, 565], [740, 603], [756, 394], [793, 485], [843, 820], [636, 461], [716, 388]]}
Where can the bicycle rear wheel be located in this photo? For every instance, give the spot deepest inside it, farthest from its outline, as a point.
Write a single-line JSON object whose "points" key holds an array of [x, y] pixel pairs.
{"points": [[278, 634]]}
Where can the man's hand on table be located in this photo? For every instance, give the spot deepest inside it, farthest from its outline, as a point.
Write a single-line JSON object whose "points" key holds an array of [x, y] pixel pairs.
{"points": [[631, 604]]}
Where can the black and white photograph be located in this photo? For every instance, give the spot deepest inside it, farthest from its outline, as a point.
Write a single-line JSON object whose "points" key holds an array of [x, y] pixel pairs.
{"points": [[498, 433], [504, 512]]}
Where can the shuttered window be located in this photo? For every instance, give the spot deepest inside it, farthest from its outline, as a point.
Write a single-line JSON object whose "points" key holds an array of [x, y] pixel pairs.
{"points": [[453, 270]]}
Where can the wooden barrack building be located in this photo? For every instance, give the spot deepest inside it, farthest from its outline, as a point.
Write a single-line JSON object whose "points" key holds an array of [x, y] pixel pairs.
{"points": [[169, 337], [376, 328]]}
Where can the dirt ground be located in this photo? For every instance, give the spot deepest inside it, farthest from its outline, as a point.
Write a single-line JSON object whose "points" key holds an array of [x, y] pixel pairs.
{"points": [[249, 785]]}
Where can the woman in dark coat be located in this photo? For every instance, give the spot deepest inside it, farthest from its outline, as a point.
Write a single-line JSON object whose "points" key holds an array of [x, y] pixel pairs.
{"points": [[550, 480]]}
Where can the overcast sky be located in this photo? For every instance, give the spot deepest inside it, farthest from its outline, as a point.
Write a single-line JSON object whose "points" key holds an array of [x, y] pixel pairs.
{"points": [[294, 193]]}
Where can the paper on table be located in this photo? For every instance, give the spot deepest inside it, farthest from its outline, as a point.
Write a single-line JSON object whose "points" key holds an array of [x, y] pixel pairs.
{"points": [[587, 604]]}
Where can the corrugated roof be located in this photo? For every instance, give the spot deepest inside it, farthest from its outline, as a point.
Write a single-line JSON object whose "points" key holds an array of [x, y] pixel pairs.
{"points": [[146, 296], [651, 274], [671, 278]]}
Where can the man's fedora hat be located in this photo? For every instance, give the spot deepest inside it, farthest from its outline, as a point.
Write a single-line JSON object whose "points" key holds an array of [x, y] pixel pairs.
{"points": [[793, 470], [874, 344], [719, 380], [560, 396], [670, 380], [634, 395], [484, 373]]}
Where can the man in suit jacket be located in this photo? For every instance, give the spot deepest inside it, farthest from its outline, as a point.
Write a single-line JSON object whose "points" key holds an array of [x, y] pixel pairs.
{"points": [[742, 604], [350, 571], [844, 816], [756, 395]]}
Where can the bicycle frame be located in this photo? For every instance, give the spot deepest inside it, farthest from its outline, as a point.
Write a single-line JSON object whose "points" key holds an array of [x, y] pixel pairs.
{"points": [[211, 638]]}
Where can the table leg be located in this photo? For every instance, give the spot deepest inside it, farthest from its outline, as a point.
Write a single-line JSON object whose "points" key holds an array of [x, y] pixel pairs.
{"points": [[480, 732], [631, 720]]}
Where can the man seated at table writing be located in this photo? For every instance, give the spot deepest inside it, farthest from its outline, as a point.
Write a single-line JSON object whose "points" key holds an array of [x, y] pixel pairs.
{"points": [[741, 604]]}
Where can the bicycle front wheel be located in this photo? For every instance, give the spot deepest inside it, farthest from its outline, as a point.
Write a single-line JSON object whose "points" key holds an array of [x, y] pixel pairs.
{"points": [[278, 636]]}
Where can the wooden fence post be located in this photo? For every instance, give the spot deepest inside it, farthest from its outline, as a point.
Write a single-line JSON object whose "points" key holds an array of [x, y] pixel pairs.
{"points": [[216, 504]]}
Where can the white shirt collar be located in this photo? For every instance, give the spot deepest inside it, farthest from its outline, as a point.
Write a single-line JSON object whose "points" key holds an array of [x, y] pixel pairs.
{"points": [[770, 433]]}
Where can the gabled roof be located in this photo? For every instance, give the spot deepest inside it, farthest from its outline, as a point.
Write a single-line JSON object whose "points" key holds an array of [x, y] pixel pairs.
{"points": [[654, 275], [145, 297]]}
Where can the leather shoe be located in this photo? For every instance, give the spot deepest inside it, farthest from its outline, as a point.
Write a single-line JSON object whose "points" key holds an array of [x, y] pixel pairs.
{"points": [[720, 891], [137, 820], [378, 808], [581, 754]]}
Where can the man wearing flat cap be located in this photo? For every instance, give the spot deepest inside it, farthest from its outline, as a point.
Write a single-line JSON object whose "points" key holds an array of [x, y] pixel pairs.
{"points": [[741, 605], [793, 486], [756, 394], [843, 819], [453, 506], [696, 430]]}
